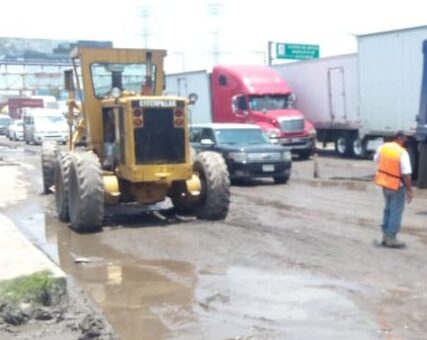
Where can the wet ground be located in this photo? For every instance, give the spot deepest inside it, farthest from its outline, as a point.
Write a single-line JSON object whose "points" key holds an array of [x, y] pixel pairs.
{"points": [[294, 261]]}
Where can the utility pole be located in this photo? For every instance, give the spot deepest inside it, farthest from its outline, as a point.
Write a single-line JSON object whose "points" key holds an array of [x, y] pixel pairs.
{"points": [[146, 13], [214, 10]]}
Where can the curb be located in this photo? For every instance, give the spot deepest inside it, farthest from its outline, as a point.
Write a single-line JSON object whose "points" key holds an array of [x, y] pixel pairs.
{"points": [[19, 257]]}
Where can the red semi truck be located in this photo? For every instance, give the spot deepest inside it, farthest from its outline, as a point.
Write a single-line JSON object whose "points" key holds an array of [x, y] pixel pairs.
{"points": [[247, 94]]}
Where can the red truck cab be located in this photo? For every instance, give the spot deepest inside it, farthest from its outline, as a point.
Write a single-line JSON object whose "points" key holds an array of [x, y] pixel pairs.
{"points": [[258, 95]]}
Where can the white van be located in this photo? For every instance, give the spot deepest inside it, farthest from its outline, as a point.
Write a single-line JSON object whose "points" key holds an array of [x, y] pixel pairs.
{"points": [[44, 124]]}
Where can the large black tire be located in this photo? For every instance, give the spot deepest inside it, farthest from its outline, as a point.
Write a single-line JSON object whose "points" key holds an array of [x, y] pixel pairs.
{"points": [[62, 172], [86, 192], [215, 181], [49, 154], [422, 166], [358, 147], [343, 145]]}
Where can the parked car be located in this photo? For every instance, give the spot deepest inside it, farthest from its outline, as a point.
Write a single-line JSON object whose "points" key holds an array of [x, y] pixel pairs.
{"points": [[44, 124], [4, 124], [16, 130], [247, 151]]}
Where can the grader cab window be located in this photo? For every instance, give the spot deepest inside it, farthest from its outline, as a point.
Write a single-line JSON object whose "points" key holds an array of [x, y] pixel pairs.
{"points": [[126, 77]]}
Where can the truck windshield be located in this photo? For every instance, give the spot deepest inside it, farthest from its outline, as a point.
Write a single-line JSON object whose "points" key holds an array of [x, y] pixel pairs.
{"points": [[240, 136], [271, 103], [127, 77]]}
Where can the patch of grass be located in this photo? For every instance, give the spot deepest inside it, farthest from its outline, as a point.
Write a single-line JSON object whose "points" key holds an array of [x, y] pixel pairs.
{"points": [[34, 288]]}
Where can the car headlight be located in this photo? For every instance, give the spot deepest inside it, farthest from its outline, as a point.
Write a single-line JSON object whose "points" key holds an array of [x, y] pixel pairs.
{"points": [[240, 157], [273, 133], [286, 156]]}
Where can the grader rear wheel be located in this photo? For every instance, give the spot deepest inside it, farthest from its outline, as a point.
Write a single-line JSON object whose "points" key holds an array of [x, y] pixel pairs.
{"points": [[62, 173], [49, 152], [86, 192], [215, 192]]}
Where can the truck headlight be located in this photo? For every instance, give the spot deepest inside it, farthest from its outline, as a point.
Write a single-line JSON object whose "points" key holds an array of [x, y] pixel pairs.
{"points": [[240, 157], [312, 132]]}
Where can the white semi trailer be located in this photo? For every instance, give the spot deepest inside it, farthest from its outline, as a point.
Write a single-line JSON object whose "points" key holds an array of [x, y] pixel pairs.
{"points": [[357, 100], [326, 91]]}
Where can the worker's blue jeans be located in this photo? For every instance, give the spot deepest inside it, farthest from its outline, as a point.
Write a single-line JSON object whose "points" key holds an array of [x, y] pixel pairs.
{"points": [[393, 210]]}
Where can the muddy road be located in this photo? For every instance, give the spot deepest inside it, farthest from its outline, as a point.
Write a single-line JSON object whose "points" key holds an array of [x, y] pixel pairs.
{"points": [[294, 261]]}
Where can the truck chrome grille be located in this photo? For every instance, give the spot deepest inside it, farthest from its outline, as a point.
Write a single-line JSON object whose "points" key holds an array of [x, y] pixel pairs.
{"points": [[292, 125]]}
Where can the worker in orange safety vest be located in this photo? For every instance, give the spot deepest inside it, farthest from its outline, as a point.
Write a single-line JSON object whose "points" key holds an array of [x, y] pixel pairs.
{"points": [[394, 176]]}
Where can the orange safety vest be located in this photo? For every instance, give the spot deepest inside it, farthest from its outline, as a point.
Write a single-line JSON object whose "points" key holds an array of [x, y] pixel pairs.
{"points": [[389, 174]]}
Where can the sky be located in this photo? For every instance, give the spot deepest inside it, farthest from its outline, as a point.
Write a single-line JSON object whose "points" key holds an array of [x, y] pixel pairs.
{"points": [[200, 33]]}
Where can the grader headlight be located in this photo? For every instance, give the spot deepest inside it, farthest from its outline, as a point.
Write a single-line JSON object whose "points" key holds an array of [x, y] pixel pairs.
{"points": [[138, 120], [178, 118]]}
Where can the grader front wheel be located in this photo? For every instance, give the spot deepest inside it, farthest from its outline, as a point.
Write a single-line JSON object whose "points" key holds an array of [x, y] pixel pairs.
{"points": [[49, 152], [86, 192], [215, 186], [62, 174]]}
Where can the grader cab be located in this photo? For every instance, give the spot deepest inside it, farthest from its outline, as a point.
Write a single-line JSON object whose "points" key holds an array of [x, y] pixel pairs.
{"points": [[128, 143]]}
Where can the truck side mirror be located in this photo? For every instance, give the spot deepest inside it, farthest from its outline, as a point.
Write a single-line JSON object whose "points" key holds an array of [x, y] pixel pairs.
{"points": [[239, 105], [192, 98], [69, 80]]}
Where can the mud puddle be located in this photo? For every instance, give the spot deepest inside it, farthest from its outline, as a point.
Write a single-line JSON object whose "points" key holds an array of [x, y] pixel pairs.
{"points": [[163, 298]]}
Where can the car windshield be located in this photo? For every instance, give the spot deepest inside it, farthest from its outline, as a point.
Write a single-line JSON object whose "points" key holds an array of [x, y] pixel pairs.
{"points": [[271, 103], [240, 136], [127, 77]]}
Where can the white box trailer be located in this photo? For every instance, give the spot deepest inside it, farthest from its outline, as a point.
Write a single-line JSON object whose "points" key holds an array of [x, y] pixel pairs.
{"points": [[390, 71], [387, 79], [183, 84], [326, 91]]}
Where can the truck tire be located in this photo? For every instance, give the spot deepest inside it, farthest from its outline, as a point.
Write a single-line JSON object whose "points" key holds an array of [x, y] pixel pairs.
{"points": [[358, 148], [343, 145], [215, 182], [412, 149], [62, 171], [49, 153], [85, 192], [422, 173]]}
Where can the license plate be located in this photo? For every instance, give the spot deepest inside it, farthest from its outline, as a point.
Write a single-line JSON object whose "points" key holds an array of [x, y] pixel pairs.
{"points": [[268, 168]]}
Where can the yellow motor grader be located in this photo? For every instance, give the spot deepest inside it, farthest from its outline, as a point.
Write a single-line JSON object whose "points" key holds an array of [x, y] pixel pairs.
{"points": [[128, 143]]}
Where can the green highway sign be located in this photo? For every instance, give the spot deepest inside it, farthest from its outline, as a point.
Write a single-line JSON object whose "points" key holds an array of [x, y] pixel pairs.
{"points": [[297, 51]]}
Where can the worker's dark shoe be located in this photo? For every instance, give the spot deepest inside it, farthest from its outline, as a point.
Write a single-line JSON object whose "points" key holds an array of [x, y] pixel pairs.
{"points": [[393, 242]]}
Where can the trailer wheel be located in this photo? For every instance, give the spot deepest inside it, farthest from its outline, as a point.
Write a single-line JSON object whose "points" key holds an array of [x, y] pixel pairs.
{"points": [[49, 153], [358, 147], [422, 161], [215, 182], [86, 192], [413, 156], [343, 145], [62, 173]]}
